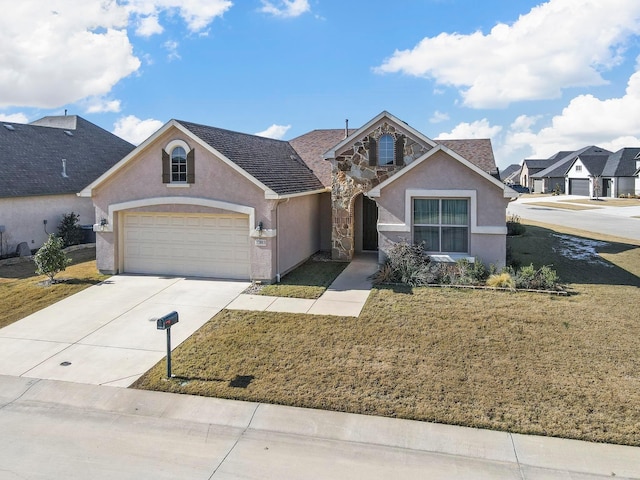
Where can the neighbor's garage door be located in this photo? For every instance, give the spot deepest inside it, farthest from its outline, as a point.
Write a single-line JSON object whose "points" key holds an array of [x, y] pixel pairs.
{"points": [[189, 245], [579, 186]]}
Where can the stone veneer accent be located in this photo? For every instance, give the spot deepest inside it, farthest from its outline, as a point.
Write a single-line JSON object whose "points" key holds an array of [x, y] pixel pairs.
{"points": [[352, 175]]}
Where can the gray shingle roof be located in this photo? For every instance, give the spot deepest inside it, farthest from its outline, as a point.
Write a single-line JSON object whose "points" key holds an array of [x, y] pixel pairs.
{"points": [[593, 163], [622, 163], [562, 163], [274, 163], [511, 170], [32, 155]]}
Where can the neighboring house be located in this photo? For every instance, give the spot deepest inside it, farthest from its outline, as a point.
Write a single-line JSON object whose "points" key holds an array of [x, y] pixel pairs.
{"points": [[554, 176], [531, 166], [511, 174], [45, 164], [605, 174], [199, 200], [620, 174]]}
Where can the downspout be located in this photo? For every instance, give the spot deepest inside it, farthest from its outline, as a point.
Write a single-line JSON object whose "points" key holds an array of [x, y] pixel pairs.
{"points": [[278, 239]]}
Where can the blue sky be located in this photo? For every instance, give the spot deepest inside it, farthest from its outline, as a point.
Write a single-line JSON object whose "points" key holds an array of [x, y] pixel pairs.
{"points": [[535, 77]]}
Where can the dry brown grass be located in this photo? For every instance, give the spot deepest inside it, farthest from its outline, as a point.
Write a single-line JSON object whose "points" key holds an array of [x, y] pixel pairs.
{"points": [[564, 206], [607, 202], [22, 291], [520, 362]]}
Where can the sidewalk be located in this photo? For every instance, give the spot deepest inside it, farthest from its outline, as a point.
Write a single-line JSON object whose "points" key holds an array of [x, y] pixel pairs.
{"points": [[52, 429], [345, 297]]}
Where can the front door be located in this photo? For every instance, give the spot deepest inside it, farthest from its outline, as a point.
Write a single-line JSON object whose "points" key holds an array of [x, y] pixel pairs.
{"points": [[606, 187], [369, 224]]}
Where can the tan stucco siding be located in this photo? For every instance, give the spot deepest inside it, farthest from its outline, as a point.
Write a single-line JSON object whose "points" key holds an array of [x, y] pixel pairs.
{"points": [[141, 181], [298, 230], [23, 217], [442, 173]]}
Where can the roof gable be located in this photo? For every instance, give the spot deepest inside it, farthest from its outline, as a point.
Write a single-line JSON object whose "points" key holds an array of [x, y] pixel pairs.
{"points": [[33, 153], [272, 165], [507, 191], [370, 125], [622, 163]]}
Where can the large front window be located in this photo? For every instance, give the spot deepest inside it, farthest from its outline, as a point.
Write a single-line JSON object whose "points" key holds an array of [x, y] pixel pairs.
{"points": [[386, 150], [178, 165], [442, 224]]}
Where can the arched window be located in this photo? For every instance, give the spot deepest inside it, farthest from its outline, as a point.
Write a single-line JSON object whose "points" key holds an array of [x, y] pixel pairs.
{"points": [[386, 150], [178, 165]]}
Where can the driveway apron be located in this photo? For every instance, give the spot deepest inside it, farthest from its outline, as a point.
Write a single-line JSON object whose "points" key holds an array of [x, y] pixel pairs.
{"points": [[106, 334]]}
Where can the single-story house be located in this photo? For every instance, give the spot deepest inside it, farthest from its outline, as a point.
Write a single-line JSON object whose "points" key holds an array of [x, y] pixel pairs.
{"points": [[202, 201], [605, 174], [554, 175], [511, 174], [531, 166], [45, 163]]}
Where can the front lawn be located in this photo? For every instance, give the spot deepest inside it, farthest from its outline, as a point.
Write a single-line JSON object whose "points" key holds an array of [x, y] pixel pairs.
{"points": [[309, 280], [22, 291], [520, 362]]}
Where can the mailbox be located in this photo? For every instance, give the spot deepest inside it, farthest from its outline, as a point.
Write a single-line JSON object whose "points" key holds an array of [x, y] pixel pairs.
{"points": [[167, 320]]}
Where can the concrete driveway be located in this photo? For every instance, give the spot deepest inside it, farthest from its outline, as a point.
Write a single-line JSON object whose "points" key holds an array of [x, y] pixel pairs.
{"points": [[106, 334]]}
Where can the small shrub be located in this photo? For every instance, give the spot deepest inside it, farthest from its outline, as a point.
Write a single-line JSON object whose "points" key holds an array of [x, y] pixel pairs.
{"points": [[544, 278], [557, 190], [514, 227], [385, 274], [502, 280], [50, 259], [410, 264], [69, 230]]}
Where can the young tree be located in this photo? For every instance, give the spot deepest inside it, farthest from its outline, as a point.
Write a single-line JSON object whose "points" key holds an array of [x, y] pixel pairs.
{"points": [[597, 181], [50, 259]]}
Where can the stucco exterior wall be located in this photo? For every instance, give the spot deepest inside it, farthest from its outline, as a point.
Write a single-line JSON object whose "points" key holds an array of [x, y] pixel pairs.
{"points": [[23, 217], [325, 221], [141, 179], [298, 233], [624, 186], [442, 173]]}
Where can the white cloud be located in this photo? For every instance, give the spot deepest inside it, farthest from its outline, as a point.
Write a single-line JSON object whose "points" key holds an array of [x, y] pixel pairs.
{"points": [[134, 130], [558, 44], [100, 105], [62, 51], [198, 14], [438, 117], [148, 26], [611, 123], [172, 50], [478, 129], [275, 131], [14, 117], [285, 8]]}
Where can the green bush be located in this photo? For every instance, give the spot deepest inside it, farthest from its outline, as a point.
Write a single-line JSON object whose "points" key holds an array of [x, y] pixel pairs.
{"points": [[50, 259], [69, 230]]}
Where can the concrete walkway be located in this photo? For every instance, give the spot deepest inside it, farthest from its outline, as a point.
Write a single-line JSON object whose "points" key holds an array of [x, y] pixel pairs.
{"points": [[345, 297], [53, 429]]}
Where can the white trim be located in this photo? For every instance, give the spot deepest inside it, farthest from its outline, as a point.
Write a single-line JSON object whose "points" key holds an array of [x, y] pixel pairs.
{"points": [[203, 202], [394, 227], [178, 185], [364, 130], [275, 196], [177, 143]]}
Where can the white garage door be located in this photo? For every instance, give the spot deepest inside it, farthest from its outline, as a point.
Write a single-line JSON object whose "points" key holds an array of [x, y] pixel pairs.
{"points": [[189, 245]]}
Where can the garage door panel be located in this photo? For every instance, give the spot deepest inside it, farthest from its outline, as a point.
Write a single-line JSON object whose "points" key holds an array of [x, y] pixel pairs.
{"points": [[579, 187], [190, 245]]}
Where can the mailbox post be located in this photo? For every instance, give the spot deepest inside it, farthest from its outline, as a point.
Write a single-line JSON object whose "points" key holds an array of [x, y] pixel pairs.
{"points": [[164, 323]]}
